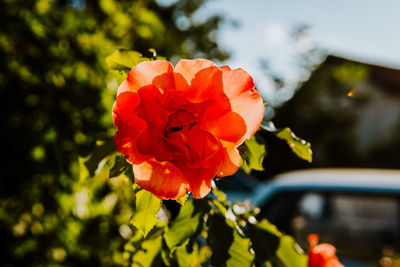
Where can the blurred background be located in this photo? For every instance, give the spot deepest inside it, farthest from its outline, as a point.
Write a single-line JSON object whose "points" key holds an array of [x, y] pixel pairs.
{"points": [[329, 70]]}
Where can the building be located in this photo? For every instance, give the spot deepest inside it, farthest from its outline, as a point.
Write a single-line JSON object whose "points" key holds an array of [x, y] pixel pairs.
{"points": [[349, 111]]}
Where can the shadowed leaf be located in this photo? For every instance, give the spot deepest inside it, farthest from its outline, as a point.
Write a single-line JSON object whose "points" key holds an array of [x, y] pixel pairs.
{"points": [[221, 196], [119, 167], [265, 239], [220, 239], [289, 254], [187, 224], [100, 151]]}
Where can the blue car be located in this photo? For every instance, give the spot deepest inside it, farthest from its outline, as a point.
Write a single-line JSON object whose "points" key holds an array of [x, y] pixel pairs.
{"points": [[356, 210]]}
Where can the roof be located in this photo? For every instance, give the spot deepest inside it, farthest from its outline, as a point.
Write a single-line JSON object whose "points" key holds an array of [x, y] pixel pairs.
{"points": [[355, 180], [389, 76]]}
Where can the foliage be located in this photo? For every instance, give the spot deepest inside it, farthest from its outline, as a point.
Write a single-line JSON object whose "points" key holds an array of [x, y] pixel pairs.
{"points": [[254, 150], [231, 234], [56, 95]]}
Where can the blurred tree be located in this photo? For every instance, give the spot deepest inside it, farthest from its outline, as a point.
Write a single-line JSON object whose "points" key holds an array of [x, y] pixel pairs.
{"points": [[56, 97]]}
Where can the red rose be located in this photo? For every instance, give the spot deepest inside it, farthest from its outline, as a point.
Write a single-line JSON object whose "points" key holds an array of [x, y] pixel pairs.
{"points": [[322, 255], [180, 127]]}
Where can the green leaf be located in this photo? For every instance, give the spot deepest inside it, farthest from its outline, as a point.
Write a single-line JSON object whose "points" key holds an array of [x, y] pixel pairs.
{"points": [[220, 239], [219, 206], [166, 254], [187, 224], [265, 238], [221, 196], [239, 252], [183, 199], [122, 60], [299, 146], [253, 153], [147, 206], [289, 254], [184, 257], [194, 258], [119, 167], [149, 253], [83, 170]]}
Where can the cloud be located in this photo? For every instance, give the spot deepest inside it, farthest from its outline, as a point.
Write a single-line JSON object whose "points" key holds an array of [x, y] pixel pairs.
{"points": [[275, 34]]}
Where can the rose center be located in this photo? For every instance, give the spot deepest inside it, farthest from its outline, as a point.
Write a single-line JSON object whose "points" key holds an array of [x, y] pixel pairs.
{"points": [[180, 122], [175, 128]]}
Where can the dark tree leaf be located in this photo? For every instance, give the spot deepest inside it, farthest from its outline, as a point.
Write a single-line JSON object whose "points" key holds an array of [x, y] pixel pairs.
{"points": [[119, 167], [265, 239], [289, 254], [100, 151], [220, 239], [187, 224]]}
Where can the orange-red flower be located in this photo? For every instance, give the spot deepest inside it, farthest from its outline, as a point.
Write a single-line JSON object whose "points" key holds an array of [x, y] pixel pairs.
{"points": [[180, 127], [322, 255]]}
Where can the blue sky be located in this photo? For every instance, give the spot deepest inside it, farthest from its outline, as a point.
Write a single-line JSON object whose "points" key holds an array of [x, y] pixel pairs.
{"points": [[362, 30]]}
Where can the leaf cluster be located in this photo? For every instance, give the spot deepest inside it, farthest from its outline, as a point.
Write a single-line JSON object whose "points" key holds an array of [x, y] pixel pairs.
{"points": [[207, 231], [253, 151]]}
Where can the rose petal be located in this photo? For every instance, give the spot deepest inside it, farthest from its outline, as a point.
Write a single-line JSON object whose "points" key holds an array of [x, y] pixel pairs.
{"points": [[145, 72], [206, 84], [200, 178], [149, 108], [230, 127], [175, 100], [202, 170], [124, 109], [151, 143], [129, 125], [232, 159], [126, 143], [313, 240], [188, 68], [323, 255], [162, 179], [212, 110], [204, 144], [245, 100]]}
